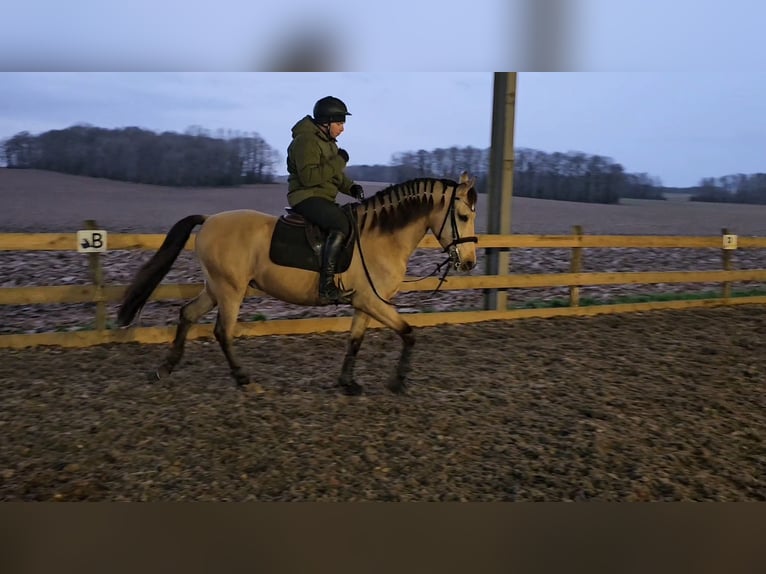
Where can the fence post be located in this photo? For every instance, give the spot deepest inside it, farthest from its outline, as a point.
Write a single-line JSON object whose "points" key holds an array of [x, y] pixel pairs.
{"points": [[575, 266], [500, 181], [97, 277], [726, 260]]}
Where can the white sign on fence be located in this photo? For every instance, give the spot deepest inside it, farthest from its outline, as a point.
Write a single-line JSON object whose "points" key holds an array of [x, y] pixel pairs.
{"points": [[91, 240], [729, 241]]}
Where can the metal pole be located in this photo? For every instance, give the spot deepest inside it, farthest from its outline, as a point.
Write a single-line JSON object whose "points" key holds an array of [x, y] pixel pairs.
{"points": [[500, 180]]}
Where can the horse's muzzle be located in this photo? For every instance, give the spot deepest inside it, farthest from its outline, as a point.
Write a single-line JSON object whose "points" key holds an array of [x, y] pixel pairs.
{"points": [[466, 265], [458, 263]]}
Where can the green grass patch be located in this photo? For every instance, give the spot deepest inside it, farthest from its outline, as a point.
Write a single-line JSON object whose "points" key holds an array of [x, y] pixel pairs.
{"points": [[626, 299]]}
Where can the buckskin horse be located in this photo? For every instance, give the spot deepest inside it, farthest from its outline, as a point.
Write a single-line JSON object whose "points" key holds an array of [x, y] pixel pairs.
{"points": [[279, 256]]}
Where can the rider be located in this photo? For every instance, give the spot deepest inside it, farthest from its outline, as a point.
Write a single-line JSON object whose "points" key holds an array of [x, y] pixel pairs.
{"points": [[316, 166]]}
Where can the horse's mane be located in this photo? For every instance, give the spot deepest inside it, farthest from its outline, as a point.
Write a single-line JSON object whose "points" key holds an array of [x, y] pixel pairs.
{"points": [[398, 205]]}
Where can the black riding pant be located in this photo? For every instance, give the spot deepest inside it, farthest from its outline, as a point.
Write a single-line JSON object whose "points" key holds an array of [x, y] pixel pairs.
{"points": [[325, 213]]}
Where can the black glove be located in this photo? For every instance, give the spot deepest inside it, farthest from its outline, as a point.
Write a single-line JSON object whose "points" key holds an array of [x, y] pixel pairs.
{"points": [[357, 191], [343, 153]]}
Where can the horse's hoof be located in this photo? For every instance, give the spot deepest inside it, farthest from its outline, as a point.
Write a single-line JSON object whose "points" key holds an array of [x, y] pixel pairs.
{"points": [[159, 374], [397, 386], [351, 388], [252, 388], [242, 380]]}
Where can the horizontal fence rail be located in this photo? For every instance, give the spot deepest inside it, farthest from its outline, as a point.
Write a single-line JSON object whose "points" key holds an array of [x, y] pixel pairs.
{"points": [[100, 294], [169, 292], [67, 241]]}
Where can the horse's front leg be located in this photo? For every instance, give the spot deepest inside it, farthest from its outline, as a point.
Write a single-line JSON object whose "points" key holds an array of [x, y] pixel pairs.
{"points": [[398, 383], [388, 315], [346, 380]]}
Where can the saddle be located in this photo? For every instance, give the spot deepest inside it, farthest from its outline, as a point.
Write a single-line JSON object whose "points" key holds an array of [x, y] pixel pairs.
{"points": [[297, 243]]}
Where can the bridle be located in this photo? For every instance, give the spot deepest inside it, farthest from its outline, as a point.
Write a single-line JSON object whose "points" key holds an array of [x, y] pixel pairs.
{"points": [[452, 249]]}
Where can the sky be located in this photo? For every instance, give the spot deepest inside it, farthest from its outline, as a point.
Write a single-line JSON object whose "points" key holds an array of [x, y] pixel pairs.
{"points": [[383, 35], [678, 126], [673, 89]]}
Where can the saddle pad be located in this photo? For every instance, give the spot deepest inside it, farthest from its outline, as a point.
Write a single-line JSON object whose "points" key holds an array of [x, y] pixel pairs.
{"points": [[291, 248]]}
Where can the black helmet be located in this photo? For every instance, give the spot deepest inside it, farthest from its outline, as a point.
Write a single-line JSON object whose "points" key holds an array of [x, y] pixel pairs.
{"points": [[330, 109]]}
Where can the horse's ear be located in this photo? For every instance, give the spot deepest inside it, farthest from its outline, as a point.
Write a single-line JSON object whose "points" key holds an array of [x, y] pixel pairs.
{"points": [[467, 189], [471, 197], [466, 180]]}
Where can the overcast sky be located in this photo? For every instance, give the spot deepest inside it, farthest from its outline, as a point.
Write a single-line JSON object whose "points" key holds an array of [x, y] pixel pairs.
{"points": [[676, 126], [386, 35], [676, 88]]}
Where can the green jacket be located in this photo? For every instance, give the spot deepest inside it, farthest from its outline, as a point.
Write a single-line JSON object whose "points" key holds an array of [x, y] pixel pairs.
{"points": [[313, 165]]}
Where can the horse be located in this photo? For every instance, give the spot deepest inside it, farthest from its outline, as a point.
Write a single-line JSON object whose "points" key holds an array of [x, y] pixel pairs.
{"points": [[236, 250]]}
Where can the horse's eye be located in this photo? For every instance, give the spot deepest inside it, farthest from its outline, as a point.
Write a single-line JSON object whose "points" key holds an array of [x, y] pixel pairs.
{"points": [[463, 218]]}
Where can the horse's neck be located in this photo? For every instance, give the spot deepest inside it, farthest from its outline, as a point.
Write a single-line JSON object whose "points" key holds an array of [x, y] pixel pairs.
{"points": [[407, 239], [410, 236]]}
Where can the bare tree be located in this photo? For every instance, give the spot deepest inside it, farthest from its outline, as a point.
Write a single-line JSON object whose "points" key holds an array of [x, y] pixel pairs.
{"points": [[134, 154]]}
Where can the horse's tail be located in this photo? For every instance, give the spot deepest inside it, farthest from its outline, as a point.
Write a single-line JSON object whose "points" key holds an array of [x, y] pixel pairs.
{"points": [[152, 272]]}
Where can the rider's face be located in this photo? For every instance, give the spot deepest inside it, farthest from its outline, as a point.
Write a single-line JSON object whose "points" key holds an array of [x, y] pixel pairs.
{"points": [[336, 128]]}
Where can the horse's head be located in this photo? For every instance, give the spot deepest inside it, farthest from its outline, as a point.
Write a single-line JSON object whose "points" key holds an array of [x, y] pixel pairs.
{"points": [[454, 225]]}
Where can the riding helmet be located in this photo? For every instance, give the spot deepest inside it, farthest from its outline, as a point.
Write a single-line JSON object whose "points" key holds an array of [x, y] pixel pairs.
{"points": [[330, 109]]}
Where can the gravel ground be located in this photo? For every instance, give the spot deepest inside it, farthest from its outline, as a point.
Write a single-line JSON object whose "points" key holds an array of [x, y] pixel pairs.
{"points": [[652, 406]]}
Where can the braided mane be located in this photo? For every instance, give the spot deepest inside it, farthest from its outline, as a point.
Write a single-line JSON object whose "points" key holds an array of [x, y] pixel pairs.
{"points": [[398, 205]]}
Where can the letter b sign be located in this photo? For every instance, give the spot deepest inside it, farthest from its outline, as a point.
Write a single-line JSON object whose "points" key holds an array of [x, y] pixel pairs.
{"points": [[91, 241]]}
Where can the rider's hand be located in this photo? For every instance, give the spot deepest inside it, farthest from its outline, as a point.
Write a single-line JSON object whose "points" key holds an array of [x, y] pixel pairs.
{"points": [[357, 191]]}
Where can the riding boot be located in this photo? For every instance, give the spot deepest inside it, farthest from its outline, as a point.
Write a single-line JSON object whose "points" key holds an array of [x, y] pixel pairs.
{"points": [[328, 292]]}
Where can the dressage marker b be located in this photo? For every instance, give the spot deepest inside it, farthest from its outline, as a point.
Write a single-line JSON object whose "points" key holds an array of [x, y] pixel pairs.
{"points": [[91, 241]]}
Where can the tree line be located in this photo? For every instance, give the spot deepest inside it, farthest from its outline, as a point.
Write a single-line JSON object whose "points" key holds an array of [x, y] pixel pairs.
{"points": [[194, 158], [735, 188], [573, 176], [197, 158], [228, 158]]}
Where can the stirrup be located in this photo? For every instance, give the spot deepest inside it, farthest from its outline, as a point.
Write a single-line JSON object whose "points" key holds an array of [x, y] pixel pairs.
{"points": [[345, 296], [335, 296]]}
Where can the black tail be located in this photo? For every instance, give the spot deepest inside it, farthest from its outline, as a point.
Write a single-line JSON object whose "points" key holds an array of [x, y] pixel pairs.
{"points": [[152, 272]]}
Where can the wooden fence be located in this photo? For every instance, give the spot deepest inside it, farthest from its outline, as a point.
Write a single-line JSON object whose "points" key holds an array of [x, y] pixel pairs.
{"points": [[100, 294]]}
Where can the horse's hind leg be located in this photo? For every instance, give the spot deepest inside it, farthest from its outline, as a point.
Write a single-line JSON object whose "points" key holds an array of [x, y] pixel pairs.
{"points": [[190, 314], [346, 380], [228, 311]]}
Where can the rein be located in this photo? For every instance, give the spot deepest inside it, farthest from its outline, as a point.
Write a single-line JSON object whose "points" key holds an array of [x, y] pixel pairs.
{"points": [[451, 249], [358, 234]]}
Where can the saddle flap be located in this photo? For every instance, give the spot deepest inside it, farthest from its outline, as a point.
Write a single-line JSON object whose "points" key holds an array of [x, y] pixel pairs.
{"points": [[297, 242]]}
